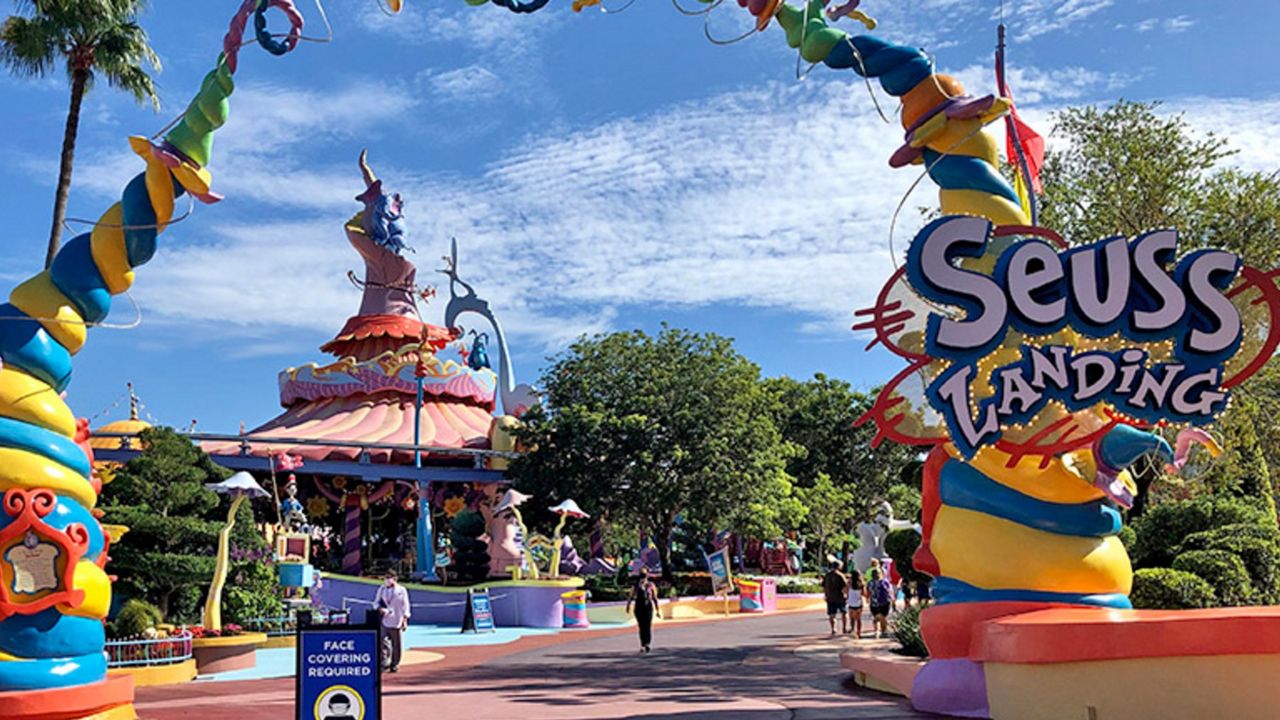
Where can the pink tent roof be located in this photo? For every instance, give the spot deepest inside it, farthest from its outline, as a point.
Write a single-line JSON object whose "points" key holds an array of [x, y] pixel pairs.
{"points": [[379, 419]]}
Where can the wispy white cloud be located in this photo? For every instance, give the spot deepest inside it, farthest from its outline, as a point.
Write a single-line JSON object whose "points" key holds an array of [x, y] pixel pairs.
{"points": [[1032, 85], [1170, 25], [1033, 18], [775, 197], [474, 83]]}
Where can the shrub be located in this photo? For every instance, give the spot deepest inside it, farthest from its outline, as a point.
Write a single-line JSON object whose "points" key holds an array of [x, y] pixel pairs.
{"points": [[252, 592], [470, 554], [1224, 572], [135, 618], [799, 586], [906, 630], [1166, 589], [1162, 528], [1127, 538], [900, 545], [1260, 555]]}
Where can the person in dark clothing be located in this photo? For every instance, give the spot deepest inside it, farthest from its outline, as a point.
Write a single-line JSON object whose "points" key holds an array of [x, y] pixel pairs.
{"points": [[835, 588], [645, 598]]}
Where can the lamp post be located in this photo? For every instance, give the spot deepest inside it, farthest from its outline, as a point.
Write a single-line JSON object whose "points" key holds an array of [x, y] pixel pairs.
{"points": [[238, 486], [426, 551], [565, 510]]}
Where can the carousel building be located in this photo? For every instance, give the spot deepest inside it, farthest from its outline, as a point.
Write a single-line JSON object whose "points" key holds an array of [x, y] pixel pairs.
{"points": [[397, 426]]}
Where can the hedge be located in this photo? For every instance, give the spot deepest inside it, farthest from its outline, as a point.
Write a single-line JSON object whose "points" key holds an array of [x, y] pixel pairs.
{"points": [[1224, 572], [1162, 528], [1166, 589]]}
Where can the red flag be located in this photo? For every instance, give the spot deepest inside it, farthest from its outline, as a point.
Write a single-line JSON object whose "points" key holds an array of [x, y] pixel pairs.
{"points": [[1032, 148]]}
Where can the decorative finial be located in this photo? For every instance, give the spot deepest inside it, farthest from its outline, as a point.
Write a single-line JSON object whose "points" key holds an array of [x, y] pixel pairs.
{"points": [[133, 403], [365, 170]]}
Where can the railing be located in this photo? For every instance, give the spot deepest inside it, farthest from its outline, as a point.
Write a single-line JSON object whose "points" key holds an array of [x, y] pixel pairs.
{"points": [[143, 652], [273, 626]]}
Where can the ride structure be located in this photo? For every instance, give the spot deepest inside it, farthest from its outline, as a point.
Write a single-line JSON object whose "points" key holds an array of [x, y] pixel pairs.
{"points": [[392, 414]]}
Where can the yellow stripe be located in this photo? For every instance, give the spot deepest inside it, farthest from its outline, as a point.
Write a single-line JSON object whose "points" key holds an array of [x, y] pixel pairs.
{"points": [[97, 592], [160, 192], [41, 299], [965, 137], [1055, 484], [996, 554], [109, 251], [27, 470], [25, 398], [975, 202]]}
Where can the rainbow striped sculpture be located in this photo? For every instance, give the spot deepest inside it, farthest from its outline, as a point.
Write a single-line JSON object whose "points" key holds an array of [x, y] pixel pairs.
{"points": [[54, 591]]}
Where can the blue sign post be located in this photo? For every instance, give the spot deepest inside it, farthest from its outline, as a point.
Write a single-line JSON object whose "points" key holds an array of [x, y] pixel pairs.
{"points": [[339, 672]]}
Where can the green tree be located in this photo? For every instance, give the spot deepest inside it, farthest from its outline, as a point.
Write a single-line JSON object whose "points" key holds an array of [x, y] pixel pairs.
{"points": [[1128, 169], [831, 512], [93, 39], [905, 501], [167, 557], [818, 415], [650, 428]]}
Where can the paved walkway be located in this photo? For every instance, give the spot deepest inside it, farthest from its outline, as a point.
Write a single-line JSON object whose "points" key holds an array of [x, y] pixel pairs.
{"points": [[745, 668]]}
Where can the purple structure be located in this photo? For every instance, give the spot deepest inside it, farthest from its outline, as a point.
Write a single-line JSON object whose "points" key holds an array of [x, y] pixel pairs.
{"points": [[525, 603]]}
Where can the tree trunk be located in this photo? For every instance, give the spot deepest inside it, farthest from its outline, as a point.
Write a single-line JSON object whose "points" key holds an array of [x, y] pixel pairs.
{"points": [[79, 78], [1144, 478]]}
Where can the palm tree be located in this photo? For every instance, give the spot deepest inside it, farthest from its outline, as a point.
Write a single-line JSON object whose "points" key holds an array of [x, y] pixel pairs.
{"points": [[96, 38]]}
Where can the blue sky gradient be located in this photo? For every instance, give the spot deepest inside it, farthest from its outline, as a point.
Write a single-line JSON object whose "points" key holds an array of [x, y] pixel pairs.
{"points": [[600, 172]]}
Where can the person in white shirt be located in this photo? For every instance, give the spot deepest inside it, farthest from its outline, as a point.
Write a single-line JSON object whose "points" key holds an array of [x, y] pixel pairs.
{"points": [[392, 602]]}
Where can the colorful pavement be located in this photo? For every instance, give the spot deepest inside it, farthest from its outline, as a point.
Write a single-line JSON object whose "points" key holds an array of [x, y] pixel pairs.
{"points": [[780, 666]]}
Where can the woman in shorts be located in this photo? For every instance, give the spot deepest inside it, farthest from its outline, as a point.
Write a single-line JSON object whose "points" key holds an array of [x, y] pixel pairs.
{"points": [[857, 591]]}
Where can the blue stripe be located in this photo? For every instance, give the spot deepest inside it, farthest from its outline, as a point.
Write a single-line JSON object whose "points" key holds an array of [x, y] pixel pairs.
{"points": [[62, 450], [26, 346], [949, 590], [55, 673], [69, 512], [964, 172], [50, 634], [904, 76], [76, 274], [960, 485], [139, 219]]}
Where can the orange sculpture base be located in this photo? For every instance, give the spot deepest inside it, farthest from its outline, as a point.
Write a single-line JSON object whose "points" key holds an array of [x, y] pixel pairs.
{"points": [[1076, 663], [111, 699]]}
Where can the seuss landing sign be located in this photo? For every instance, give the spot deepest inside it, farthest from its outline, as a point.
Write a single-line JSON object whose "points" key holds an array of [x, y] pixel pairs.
{"points": [[1022, 341]]}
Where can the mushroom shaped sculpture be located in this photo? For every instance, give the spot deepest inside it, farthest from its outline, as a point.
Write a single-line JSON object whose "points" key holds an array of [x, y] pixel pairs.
{"points": [[565, 510], [510, 500], [238, 486]]}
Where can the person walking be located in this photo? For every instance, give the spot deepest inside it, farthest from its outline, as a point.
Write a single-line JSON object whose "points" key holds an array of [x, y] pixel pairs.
{"points": [[644, 595], [857, 589], [924, 590], [834, 587], [392, 601], [880, 593]]}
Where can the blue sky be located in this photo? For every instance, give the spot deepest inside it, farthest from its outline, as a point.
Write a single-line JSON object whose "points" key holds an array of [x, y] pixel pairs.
{"points": [[600, 172]]}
